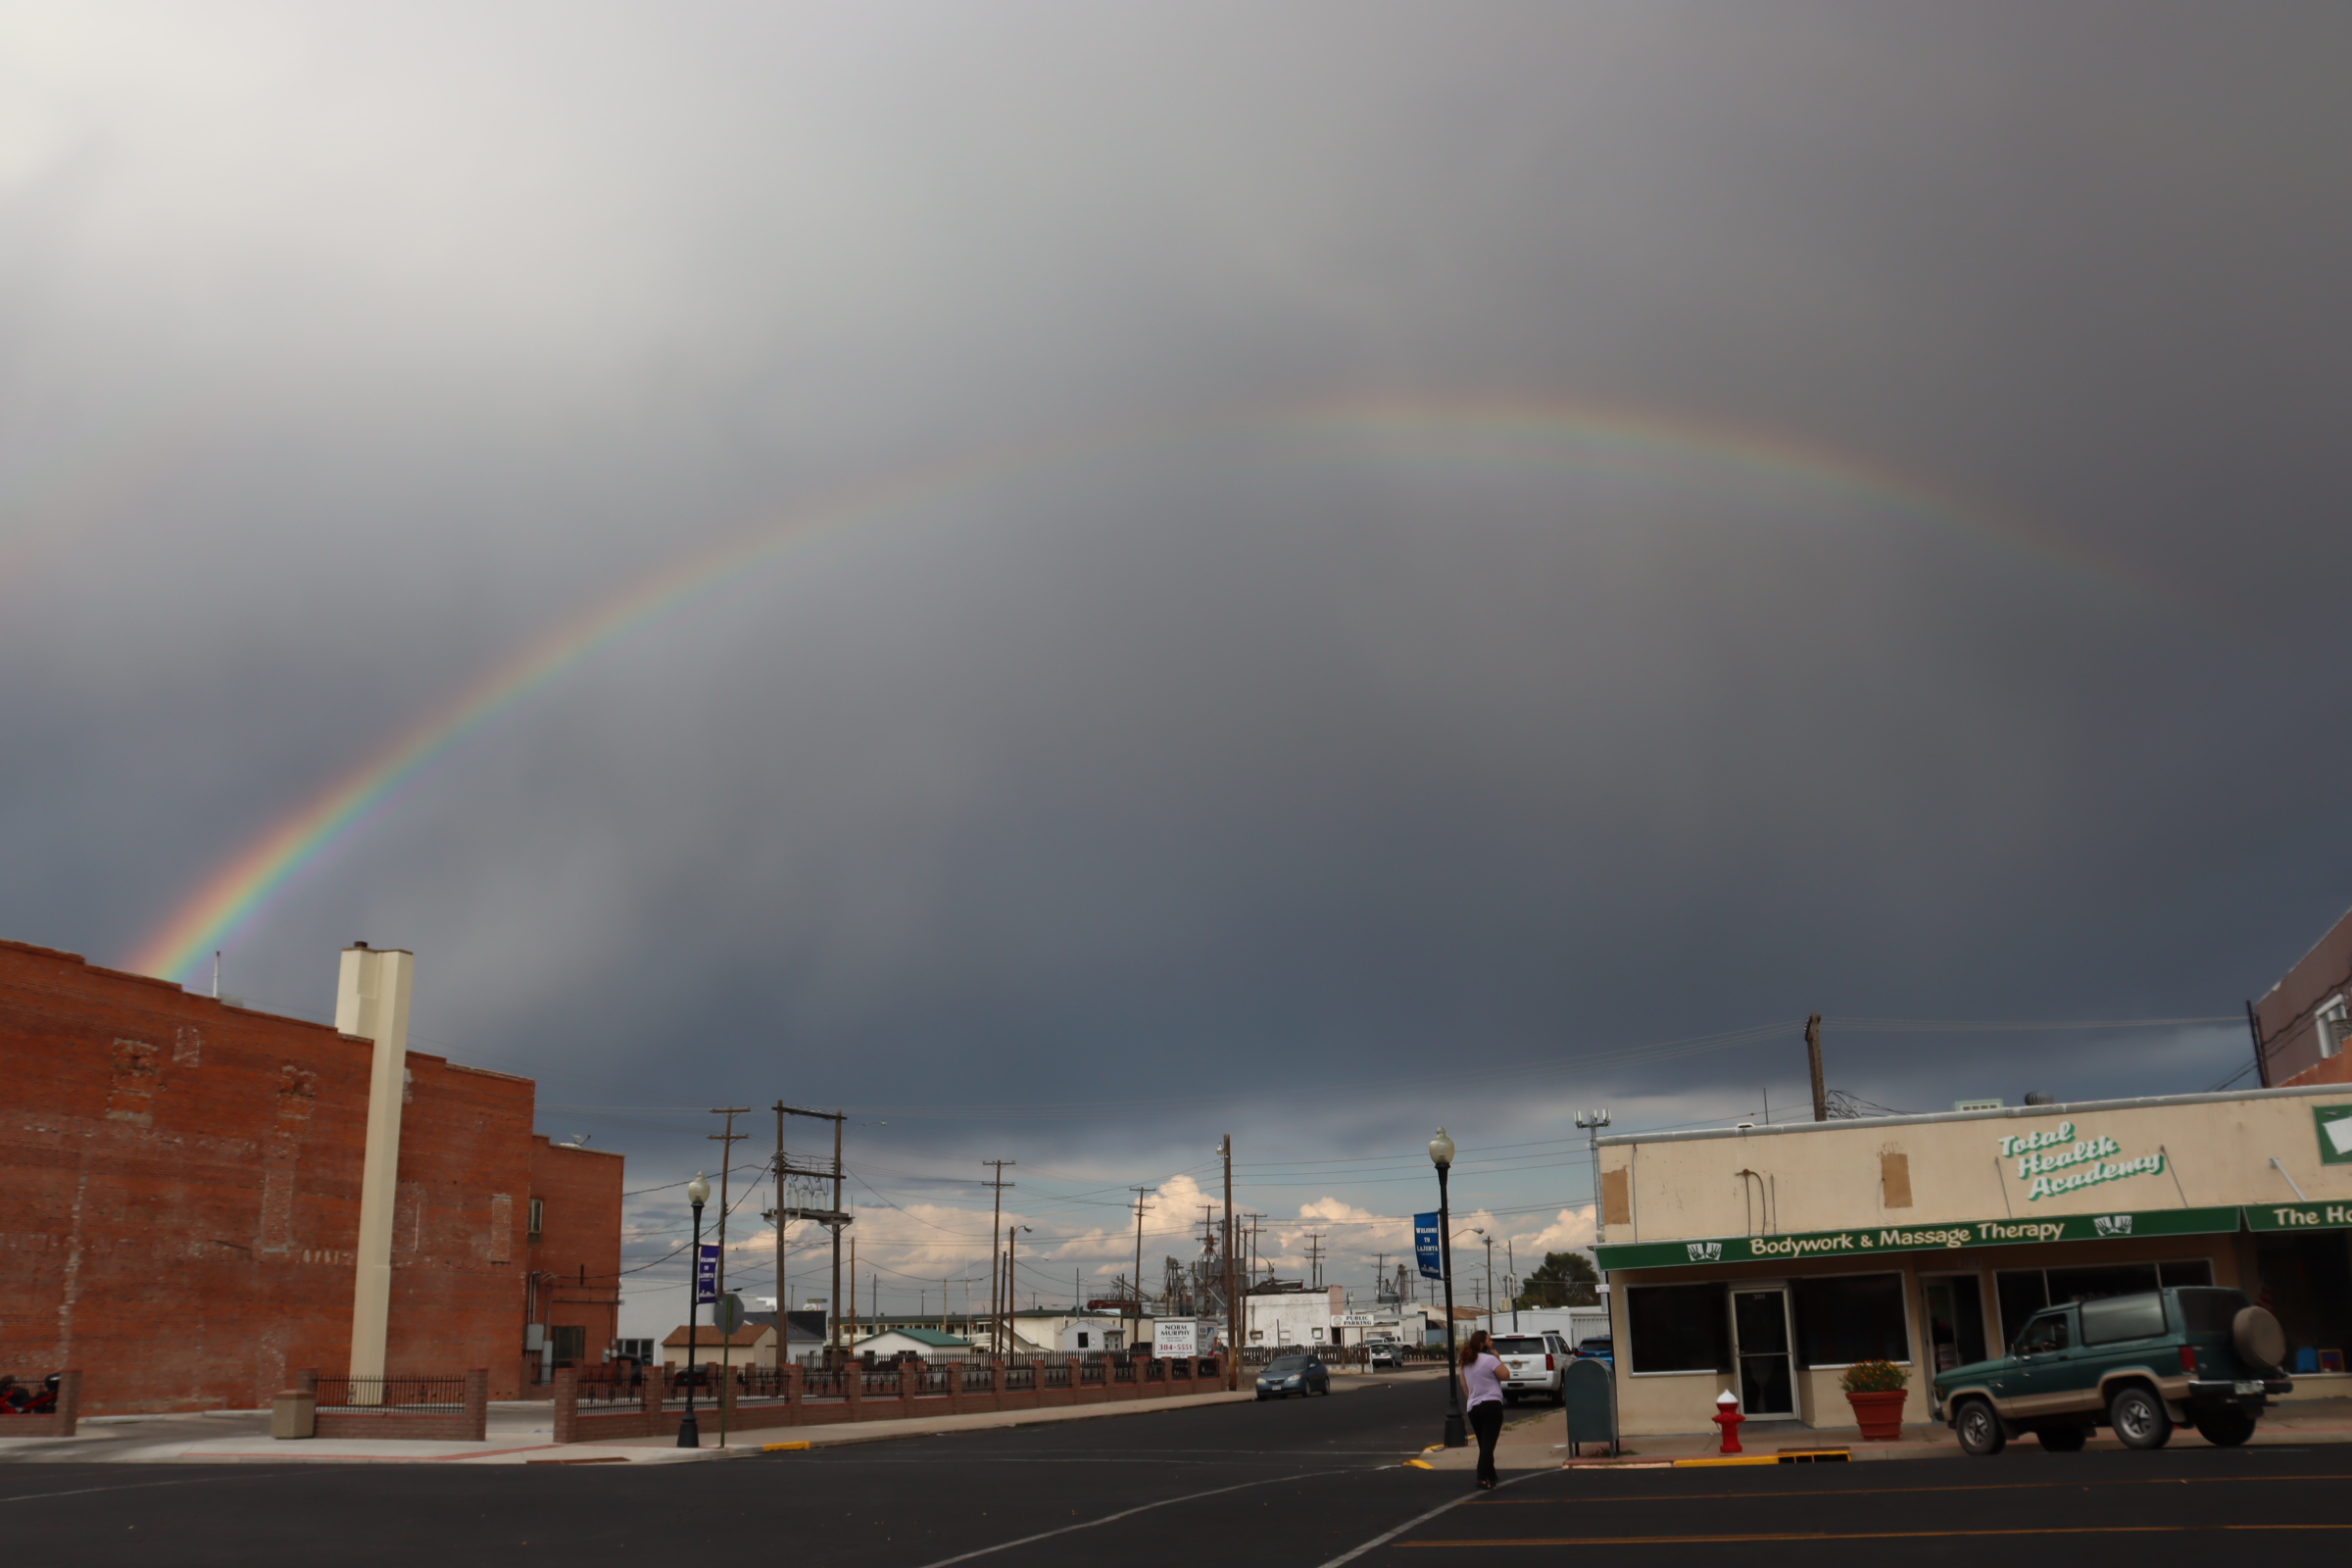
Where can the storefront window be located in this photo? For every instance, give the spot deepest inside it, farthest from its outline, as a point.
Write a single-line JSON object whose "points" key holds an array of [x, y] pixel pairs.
{"points": [[1679, 1328], [1849, 1318], [2307, 1281]]}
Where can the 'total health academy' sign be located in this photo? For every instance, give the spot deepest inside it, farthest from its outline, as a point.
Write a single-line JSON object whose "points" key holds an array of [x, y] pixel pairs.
{"points": [[2057, 1162], [1867, 1240]]}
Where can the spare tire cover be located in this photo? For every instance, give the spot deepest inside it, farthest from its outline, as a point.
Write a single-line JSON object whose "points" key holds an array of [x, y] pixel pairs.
{"points": [[2259, 1338]]}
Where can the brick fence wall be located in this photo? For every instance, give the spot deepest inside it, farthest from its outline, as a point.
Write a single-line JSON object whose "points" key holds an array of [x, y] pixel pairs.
{"points": [[469, 1423], [981, 1385]]}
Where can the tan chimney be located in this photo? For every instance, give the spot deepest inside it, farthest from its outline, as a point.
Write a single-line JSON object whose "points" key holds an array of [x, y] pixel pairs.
{"points": [[372, 1001]]}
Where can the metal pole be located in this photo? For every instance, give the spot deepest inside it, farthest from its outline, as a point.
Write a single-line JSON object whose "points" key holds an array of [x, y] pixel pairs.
{"points": [[833, 1301], [1455, 1436], [690, 1436], [1233, 1298], [1821, 1092]]}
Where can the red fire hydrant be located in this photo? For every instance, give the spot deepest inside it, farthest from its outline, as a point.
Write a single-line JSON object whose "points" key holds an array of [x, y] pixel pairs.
{"points": [[1728, 1418]]}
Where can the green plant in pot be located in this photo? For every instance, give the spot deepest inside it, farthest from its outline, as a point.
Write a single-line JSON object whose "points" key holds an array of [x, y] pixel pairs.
{"points": [[1875, 1390]]}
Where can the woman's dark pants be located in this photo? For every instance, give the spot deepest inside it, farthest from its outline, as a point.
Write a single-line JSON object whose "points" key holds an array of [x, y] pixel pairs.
{"points": [[1487, 1421]]}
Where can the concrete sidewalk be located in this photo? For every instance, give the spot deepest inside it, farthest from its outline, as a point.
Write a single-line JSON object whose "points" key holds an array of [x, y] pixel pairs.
{"points": [[1539, 1440]]}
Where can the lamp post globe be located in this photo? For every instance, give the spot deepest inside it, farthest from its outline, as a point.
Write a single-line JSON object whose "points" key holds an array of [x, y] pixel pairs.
{"points": [[1440, 1154], [698, 1192]]}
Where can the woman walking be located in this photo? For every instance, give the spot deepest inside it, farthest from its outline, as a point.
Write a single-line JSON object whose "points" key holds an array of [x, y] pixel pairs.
{"points": [[1482, 1396]]}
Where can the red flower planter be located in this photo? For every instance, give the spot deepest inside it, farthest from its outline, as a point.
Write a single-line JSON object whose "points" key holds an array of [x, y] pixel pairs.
{"points": [[1879, 1415]]}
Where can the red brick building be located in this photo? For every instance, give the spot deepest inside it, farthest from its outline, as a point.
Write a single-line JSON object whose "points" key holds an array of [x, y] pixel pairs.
{"points": [[2306, 1020], [180, 1186]]}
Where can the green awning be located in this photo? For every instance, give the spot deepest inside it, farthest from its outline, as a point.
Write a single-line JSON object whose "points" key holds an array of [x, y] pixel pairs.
{"points": [[2298, 1216], [1952, 1236]]}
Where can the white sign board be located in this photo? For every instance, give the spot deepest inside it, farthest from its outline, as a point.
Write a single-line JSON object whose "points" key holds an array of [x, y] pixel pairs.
{"points": [[1355, 1320], [1172, 1337]]}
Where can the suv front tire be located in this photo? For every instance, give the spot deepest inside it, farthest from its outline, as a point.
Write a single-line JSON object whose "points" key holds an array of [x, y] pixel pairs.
{"points": [[2139, 1418], [1978, 1429]]}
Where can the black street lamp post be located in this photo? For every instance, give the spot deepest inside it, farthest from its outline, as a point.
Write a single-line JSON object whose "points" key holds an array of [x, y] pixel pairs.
{"points": [[1440, 1154], [698, 1192]]}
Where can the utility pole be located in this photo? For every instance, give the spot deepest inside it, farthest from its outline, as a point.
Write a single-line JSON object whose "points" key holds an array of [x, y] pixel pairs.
{"points": [[996, 1222], [1314, 1259], [1135, 1336], [1593, 1121], [1821, 1092], [726, 1142], [832, 1219], [1510, 1267], [1232, 1296], [853, 1293]]}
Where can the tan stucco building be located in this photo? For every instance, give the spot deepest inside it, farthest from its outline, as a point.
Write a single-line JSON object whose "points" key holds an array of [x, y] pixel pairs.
{"points": [[1767, 1259]]}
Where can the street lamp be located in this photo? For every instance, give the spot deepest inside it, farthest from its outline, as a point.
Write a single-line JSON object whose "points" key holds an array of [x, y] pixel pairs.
{"points": [[1440, 1154], [698, 1192]]}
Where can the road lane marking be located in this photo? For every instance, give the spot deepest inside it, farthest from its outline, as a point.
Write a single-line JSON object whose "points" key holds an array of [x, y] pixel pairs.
{"points": [[1902, 1491], [1851, 1535], [1129, 1513], [127, 1485], [1388, 1536]]}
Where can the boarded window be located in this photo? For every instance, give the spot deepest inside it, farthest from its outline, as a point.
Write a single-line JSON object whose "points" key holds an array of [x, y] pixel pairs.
{"points": [[502, 1228], [1849, 1318], [1894, 1179], [1616, 1198], [1678, 1328]]}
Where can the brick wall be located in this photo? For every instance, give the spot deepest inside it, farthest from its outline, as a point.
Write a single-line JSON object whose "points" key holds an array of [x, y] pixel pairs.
{"points": [[180, 1185]]}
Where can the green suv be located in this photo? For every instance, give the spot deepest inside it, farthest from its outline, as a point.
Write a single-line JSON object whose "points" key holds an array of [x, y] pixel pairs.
{"points": [[2141, 1364]]}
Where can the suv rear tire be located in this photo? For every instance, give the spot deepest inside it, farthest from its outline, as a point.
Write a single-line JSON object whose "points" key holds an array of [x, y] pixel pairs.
{"points": [[2226, 1429], [1978, 1429], [2139, 1418], [2064, 1440]]}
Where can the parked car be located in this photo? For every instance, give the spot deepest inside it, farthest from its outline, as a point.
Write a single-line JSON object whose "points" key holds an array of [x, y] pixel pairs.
{"points": [[1598, 1346], [1531, 1366], [1287, 1375], [2139, 1364], [1384, 1352]]}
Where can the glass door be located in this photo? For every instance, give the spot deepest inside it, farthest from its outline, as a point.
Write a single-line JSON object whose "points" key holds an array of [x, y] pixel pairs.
{"points": [[1955, 1320], [1760, 1342]]}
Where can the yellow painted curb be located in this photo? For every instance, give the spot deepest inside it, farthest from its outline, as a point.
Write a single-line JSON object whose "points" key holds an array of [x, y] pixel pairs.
{"points": [[1804, 1456], [779, 1447], [1419, 1464], [1435, 1448]]}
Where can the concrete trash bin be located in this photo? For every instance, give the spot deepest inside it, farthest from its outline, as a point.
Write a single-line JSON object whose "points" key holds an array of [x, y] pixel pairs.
{"points": [[294, 1414]]}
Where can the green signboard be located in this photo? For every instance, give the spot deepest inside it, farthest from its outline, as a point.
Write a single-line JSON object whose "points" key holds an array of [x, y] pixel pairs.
{"points": [[1869, 1241], [2298, 1216], [2336, 1133]]}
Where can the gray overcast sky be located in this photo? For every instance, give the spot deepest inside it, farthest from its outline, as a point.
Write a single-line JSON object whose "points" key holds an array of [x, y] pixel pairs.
{"points": [[1184, 762]]}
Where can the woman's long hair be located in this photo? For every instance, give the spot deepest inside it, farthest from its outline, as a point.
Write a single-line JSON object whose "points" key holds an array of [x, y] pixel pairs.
{"points": [[1478, 1345]]}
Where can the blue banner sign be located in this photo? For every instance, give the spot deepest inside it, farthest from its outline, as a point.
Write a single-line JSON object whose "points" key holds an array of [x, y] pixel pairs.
{"points": [[705, 1274], [1425, 1247]]}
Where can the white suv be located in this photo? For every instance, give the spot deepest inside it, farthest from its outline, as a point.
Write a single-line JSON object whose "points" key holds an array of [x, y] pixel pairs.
{"points": [[1385, 1352], [1532, 1366]]}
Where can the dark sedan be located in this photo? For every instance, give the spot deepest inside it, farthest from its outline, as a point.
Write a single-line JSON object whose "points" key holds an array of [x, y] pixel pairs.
{"points": [[1287, 1375]]}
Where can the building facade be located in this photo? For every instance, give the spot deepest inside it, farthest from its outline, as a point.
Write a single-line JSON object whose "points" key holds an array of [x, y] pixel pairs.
{"points": [[2302, 1025], [171, 1159], [1768, 1259]]}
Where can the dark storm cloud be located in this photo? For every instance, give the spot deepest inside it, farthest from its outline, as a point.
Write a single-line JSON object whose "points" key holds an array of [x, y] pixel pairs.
{"points": [[1236, 758]]}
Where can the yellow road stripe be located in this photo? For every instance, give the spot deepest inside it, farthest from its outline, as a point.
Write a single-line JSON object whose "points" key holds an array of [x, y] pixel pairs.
{"points": [[1851, 1535], [1580, 1499]]}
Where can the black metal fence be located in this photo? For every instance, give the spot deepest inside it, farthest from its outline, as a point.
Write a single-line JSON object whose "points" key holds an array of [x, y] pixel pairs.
{"points": [[392, 1396]]}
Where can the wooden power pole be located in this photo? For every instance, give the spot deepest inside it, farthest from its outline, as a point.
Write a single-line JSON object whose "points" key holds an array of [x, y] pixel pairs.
{"points": [[1821, 1092], [996, 1261]]}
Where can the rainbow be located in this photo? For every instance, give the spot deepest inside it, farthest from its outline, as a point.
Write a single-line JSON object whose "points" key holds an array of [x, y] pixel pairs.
{"points": [[238, 891]]}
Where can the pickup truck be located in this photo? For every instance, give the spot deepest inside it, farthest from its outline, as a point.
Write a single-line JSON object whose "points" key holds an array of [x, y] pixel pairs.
{"points": [[2138, 1364], [1532, 1365]]}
